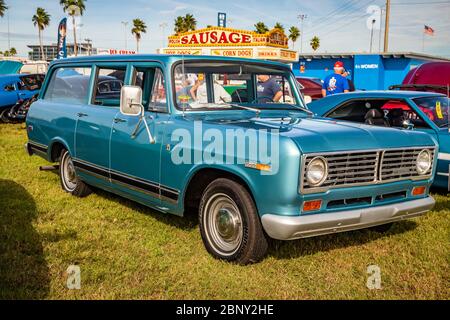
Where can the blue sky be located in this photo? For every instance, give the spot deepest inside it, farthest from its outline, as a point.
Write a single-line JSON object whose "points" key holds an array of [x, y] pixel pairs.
{"points": [[341, 25]]}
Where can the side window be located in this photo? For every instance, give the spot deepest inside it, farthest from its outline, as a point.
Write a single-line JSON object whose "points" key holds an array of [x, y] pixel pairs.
{"points": [[9, 87], [69, 85], [108, 83], [158, 101], [30, 83], [353, 111], [152, 83], [399, 111]]}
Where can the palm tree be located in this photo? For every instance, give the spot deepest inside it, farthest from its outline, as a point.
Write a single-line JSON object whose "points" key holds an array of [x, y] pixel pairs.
{"points": [[3, 8], [12, 51], [138, 28], [279, 26], [294, 33], [179, 25], [261, 28], [41, 20], [315, 43], [73, 8], [190, 23]]}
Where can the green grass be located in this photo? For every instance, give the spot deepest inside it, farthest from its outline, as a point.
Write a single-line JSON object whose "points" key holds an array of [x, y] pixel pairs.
{"points": [[126, 250]]}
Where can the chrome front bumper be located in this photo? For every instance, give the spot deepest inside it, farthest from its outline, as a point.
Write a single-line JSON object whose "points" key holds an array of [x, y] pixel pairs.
{"points": [[288, 228]]}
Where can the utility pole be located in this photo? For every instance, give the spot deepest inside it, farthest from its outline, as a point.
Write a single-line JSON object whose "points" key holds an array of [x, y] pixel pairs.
{"points": [[163, 27], [9, 38], [302, 17], [379, 33], [386, 26], [371, 34], [125, 24]]}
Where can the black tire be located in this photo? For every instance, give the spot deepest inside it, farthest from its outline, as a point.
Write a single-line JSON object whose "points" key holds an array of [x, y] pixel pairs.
{"points": [[4, 115], [68, 177], [382, 228], [229, 223]]}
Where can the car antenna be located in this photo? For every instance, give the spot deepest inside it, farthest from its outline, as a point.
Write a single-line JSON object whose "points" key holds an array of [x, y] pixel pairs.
{"points": [[183, 78]]}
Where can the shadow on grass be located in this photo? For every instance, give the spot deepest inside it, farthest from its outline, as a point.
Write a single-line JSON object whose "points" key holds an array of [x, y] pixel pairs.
{"points": [[188, 222], [24, 273], [310, 246]]}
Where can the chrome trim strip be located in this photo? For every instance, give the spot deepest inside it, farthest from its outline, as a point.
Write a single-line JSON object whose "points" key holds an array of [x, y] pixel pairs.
{"points": [[443, 156], [164, 192], [377, 179], [295, 227]]}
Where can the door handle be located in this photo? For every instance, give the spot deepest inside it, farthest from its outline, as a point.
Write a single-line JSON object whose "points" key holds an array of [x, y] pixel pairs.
{"points": [[81, 114], [118, 120]]}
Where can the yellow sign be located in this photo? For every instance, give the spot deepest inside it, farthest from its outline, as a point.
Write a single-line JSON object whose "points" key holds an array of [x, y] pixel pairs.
{"points": [[439, 110], [241, 53], [219, 37], [183, 51]]}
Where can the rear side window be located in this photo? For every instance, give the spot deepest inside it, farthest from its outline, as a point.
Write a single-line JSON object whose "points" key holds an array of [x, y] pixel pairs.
{"points": [[108, 84], [70, 85]]}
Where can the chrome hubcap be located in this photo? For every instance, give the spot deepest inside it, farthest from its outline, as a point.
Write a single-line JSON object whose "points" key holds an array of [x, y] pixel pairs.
{"points": [[224, 224], [69, 174]]}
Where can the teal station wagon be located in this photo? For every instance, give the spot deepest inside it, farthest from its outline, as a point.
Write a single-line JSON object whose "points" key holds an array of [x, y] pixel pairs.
{"points": [[230, 139]]}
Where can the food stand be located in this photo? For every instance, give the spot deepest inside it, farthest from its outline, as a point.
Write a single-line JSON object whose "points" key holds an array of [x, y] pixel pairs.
{"points": [[228, 42]]}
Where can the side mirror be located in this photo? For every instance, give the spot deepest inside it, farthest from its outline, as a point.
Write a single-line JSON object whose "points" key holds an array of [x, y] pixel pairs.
{"points": [[131, 100], [407, 124], [308, 99]]}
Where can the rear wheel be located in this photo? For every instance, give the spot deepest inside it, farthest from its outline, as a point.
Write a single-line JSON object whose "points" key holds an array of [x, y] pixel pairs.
{"points": [[229, 223], [69, 178]]}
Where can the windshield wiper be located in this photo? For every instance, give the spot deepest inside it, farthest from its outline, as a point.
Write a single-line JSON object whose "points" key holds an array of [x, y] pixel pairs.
{"points": [[256, 111]]}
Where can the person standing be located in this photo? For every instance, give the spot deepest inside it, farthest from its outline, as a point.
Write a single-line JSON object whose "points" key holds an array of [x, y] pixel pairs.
{"points": [[335, 83], [268, 88]]}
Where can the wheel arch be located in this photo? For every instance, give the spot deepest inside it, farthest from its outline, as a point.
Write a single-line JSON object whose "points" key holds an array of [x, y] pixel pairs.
{"points": [[55, 147], [201, 177]]}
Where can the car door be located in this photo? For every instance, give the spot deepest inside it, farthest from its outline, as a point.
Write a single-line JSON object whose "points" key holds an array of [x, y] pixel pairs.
{"points": [[95, 122], [135, 161], [9, 94]]}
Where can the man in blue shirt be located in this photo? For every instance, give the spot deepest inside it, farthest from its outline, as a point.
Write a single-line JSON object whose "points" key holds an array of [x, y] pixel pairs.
{"points": [[268, 88], [335, 83]]}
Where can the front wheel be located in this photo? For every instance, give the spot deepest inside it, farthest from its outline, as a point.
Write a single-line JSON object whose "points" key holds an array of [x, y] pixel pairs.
{"points": [[69, 178], [4, 115], [229, 223]]}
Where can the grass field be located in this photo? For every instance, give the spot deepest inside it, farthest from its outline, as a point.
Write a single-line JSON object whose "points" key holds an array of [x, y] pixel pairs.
{"points": [[126, 250]]}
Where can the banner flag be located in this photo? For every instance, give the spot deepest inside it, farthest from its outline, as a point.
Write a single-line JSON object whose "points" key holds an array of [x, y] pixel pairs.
{"points": [[62, 31]]}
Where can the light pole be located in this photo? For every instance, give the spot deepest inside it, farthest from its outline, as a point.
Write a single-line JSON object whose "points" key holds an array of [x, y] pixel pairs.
{"points": [[302, 17], [163, 27], [371, 34], [125, 24], [386, 26], [89, 45]]}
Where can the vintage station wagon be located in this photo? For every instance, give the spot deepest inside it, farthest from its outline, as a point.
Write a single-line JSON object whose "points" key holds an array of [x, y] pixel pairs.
{"points": [[165, 132]]}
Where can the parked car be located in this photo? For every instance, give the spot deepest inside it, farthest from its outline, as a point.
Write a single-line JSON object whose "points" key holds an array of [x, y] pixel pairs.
{"points": [[421, 111], [250, 170], [430, 76], [18, 112], [310, 87], [16, 87]]}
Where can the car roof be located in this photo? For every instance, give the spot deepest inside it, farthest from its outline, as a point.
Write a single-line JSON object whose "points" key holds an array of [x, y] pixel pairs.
{"points": [[164, 58]]}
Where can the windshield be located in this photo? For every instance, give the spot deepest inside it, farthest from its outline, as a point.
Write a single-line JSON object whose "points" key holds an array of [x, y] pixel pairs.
{"points": [[436, 108], [222, 85]]}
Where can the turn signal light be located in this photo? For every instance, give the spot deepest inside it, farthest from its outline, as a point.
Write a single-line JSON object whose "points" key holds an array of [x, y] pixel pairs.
{"points": [[418, 191], [312, 205]]}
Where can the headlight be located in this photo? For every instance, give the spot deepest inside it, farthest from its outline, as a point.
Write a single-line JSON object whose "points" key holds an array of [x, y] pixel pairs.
{"points": [[317, 171], [423, 162]]}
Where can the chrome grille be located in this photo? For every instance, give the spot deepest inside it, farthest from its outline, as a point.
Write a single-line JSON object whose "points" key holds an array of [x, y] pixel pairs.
{"points": [[400, 164], [365, 167]]}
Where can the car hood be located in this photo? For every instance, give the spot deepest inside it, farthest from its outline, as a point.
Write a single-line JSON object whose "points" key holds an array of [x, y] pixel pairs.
{"points": [[324, 135]]}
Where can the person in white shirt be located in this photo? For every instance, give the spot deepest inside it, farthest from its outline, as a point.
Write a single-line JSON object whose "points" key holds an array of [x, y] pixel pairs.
{"points": [[200, 94]]}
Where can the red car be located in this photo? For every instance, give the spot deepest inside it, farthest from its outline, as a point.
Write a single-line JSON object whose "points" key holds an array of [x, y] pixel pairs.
{"points": [[311, 87], [430, 76]]}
